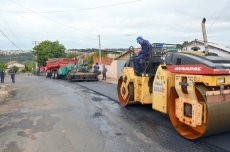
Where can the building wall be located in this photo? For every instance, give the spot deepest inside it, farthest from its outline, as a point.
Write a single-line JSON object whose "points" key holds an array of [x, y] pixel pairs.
{"points": [[114, 66], [211, 49], [112, 69], [17, 65], [124, 56], [20, 66], [120, 65], [104, 60], [111, 55]]}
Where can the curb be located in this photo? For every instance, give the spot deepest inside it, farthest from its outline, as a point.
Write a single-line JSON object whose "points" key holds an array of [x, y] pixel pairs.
{"points": [[4, 93]]}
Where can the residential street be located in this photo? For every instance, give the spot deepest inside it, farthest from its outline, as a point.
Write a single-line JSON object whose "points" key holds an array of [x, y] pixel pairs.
{"points": [[48, 115]]}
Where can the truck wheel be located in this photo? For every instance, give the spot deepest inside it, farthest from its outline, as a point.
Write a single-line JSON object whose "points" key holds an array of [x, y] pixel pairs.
{"points": [[53, 74], [56, 76]]}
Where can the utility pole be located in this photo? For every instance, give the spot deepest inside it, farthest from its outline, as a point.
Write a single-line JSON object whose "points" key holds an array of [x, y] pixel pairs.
{"points": [[35, 43], [75, 54], [99, 50]]}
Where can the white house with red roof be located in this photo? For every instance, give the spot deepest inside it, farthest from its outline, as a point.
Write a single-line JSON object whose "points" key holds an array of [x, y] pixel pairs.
{"points": [[14, 63], [213, 47]]}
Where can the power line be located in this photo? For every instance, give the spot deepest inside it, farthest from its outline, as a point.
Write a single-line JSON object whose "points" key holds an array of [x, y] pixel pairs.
{"points": [[10, 32], [53, 20], [218, 15], [46, 29], [10, 40], [76, 10]]}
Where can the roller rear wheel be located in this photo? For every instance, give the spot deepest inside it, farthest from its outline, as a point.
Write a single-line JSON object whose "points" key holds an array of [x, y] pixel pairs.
{"points": [[215, 116]]}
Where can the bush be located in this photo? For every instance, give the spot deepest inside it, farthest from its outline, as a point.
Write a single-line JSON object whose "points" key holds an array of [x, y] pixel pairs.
{"points": [[99, 72], [15, 68], [23, 70]]}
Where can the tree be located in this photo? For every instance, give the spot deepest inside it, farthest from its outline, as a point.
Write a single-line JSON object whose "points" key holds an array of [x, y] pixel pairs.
{"points": [[15, 68], [2, 65], [29, 65], [20, 58], [184, 43], [71, 55], [90, 58], [48, 49], [97, 53]]}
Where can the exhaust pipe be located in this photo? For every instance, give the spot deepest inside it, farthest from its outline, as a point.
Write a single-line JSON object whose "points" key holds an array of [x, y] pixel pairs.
{"points": [[204, 36]]}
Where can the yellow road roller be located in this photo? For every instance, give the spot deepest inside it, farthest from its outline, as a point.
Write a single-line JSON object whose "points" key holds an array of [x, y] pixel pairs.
{"points": [[191, 86]]}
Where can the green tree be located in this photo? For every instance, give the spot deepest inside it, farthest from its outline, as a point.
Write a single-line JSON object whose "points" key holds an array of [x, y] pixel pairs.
{"points": [[97, 53], [71, 55], [15, 68], [90, 58], [48, 49], [2, 65], [90, 61], [17, 57], [184, 43], [29, 65]]}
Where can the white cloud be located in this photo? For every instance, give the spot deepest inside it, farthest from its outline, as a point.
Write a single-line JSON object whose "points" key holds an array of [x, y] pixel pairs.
{"points": [[158, 21]]}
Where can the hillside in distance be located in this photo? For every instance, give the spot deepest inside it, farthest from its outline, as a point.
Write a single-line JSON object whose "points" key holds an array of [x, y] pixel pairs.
{"points": [[20, 58]]}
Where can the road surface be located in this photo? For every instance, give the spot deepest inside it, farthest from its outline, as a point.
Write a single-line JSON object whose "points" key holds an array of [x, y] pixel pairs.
{"points": [[54, 115]]}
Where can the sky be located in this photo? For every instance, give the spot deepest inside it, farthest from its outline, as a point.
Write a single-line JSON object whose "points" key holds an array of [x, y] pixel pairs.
{"points": [[78, 24]]}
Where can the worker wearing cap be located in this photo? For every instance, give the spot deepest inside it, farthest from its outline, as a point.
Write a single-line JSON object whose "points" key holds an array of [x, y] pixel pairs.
{"points": [[96, 68], [145, 46]]}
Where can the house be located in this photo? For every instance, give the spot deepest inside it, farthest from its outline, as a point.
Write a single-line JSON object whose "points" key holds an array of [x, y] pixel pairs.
{"points": [[115, 67], [14, 63], [114, 60], [85, 53], [213, 47]]}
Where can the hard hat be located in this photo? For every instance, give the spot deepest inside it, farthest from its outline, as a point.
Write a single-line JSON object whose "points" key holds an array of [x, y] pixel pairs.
{"points": [[139, 39]]}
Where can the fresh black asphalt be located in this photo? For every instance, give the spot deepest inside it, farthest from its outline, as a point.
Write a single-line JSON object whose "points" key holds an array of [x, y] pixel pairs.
{"points": [[221, 141]]}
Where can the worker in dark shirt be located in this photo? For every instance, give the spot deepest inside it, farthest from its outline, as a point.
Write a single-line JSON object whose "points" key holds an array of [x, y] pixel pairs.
{"points": [[2, 74], [104, 72], [12, 73], [145, 47], [96, 68]]}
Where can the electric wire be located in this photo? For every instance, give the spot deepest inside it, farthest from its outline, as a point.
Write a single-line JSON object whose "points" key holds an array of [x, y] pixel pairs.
{"points": [[218, 15], [75, 10], [10, 40], [11, 32], [53, 20], [47, 30], [91, 8]]}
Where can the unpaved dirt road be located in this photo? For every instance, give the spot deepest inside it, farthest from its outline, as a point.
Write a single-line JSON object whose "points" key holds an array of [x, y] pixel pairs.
{"points": [[47, 115]]}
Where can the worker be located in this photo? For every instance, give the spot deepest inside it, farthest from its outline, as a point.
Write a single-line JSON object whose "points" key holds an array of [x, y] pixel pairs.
{"points": [[38, 71], [96, 68], [12, 73], [2, 74], [104, 72], [145, 47], [85, 68]]}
